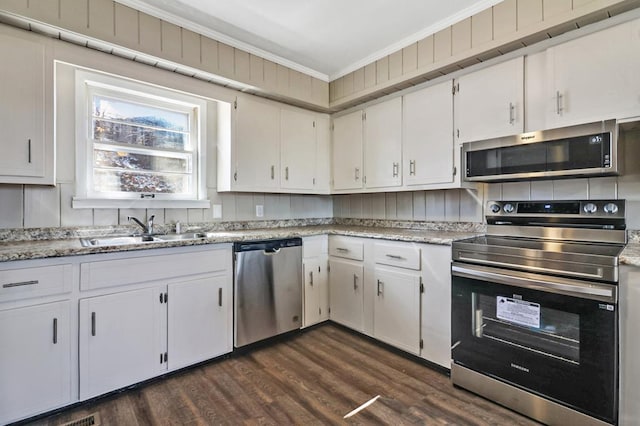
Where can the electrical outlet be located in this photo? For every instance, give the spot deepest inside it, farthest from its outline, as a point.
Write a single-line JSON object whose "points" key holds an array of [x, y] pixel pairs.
{"points": [[259, 210], [217, 211]]}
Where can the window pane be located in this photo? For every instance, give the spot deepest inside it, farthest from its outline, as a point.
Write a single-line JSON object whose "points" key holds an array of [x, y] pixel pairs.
{"points": [[126, 181], [131, 161], [131, 112], [110, 131]]}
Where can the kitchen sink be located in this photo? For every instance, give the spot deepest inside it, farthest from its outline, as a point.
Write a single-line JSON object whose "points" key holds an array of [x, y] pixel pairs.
{"points": [[116, 241]]}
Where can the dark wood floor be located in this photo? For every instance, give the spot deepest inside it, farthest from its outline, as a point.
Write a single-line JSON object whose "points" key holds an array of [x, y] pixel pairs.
{"points": [[313, 378]]}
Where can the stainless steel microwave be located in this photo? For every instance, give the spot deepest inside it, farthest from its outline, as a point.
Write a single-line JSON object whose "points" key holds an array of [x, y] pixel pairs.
{"points": [[584, 150]]}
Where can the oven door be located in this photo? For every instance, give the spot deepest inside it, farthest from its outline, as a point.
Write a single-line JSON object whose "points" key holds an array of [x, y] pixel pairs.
{"points": [[550, 336]]}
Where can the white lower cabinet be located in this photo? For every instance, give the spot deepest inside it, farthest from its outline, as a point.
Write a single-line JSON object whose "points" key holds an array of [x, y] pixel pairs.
{"points": [[436, 304], [199, 317], [316, 290], [346, 292], [35, 360], [315, 269], [396, 292], [120, 340], [396, 312], [132, 335]]}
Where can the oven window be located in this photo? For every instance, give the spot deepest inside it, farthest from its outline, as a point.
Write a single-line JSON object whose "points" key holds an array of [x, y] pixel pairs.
{"points": [[527, 325]]}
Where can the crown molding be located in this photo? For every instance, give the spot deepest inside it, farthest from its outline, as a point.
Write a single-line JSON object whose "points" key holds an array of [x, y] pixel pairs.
{"points": [[425, 32], [215, 35]]}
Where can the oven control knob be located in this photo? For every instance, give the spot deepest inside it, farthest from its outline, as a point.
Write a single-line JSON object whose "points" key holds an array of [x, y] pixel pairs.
{"points": [[611, 208], [590, 208], [509, 208], [495, 208]]}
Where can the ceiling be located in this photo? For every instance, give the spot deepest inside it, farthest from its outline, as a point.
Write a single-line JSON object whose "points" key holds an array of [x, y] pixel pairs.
{"points": [[323, 38]]}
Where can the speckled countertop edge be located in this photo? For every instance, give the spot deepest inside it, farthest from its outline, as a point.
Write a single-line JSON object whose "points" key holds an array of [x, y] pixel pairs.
{"points": [[58, 242]]}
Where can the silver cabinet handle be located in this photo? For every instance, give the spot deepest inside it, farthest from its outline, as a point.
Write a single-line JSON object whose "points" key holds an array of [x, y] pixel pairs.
{"points": [[20, 284], [357, 173], [342, 249], [220, 296], [55, 331], [286, 173], [396, 168], [395, 256], [412, 168], [29, 154], [559, 107], [273, 172], [380, 286], [93, 323], [512, 115], [355, 282], [311, 278]]}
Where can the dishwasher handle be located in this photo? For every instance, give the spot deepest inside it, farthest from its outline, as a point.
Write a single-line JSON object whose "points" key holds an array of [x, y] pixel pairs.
{"points": [[271, 251]]}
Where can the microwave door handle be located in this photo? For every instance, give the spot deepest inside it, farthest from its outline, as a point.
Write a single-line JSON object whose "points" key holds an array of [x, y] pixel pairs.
{"points": [[555, 285]]}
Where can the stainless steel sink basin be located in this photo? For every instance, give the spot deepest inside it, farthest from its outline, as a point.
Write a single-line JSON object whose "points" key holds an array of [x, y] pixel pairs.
{"points": [[116, 241], [181, 237]]}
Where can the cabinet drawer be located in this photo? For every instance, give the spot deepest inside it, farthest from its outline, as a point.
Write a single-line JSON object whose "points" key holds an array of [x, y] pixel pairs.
{"points": [[117, 272], [395, 254], [35, 282], [345, 247], [314, 246]]}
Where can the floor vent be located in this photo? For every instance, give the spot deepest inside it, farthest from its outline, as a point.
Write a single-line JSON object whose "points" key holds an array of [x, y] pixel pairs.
{"points": [[90, 420]]}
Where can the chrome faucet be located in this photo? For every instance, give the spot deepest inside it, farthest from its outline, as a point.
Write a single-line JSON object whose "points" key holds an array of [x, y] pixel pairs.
{"points": [[146, 229]]}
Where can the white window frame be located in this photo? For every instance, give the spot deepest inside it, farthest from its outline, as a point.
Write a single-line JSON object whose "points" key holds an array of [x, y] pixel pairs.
{"points": [[90, 83]]}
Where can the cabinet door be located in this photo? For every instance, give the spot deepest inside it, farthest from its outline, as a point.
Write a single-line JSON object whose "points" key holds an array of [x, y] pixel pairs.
{"points": [[436, 304], [298, 150], [120, 340], [199, 320], [383, 144], [316, 290], [489, 103], [595, 77], [397, 308], [257, 146], [310, 269], [35, 357], [323, 155], [347, 151], [427, 136], [346, 296], [22, 86]]}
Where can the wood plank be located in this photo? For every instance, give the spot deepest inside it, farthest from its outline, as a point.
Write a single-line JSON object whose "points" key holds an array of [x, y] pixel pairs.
{"points": [[315, 377]]}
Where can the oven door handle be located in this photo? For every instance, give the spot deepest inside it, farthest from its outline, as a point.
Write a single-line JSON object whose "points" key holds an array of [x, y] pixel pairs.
{"points": [[557, 285]]}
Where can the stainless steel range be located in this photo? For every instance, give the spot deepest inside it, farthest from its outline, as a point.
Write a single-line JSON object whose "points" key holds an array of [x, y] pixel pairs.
{"points": [[535, 309]]}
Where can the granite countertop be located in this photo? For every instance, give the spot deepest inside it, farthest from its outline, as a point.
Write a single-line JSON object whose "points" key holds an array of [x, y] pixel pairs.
{"points": [[631, 255], [43, 248], [38, 244]]}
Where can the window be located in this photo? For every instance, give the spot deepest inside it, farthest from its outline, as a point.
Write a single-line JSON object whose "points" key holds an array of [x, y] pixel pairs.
{"points": [[138, 145]]}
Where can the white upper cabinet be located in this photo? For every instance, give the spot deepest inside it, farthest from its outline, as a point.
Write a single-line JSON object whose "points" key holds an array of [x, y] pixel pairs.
{"points": [[257, 146], [427, 136], [383, 144], [275, 148], [26, 110], [489, 103], [347, 151], [594, 77], [298, 149], [323, 155]]}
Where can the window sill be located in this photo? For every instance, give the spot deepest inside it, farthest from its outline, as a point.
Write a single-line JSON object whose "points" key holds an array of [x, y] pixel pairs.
{"points": [[102, 203]]}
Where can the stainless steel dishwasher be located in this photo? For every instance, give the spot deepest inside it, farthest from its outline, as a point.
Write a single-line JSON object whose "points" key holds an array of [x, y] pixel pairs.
{"points": [[267, 289]]}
